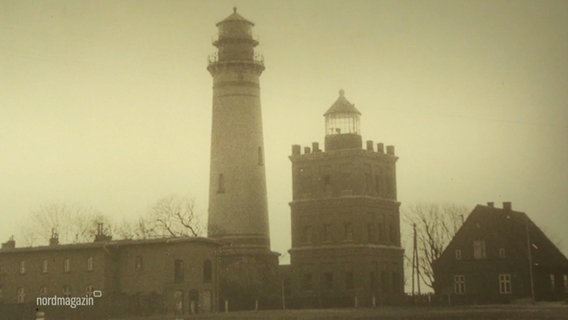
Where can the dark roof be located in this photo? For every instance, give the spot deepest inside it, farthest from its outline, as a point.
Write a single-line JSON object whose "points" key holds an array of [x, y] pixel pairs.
{"points": [[512, 227], [235, 17], [342, 105], [112, 243]]}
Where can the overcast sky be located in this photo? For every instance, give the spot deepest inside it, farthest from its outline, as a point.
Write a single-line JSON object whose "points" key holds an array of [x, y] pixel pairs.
{"points": [[108, 103]]}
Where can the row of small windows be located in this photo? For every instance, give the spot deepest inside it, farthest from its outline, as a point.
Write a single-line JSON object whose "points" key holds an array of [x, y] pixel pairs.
{"points": [[43, 291], [505, 286], [479, 251], [45, 265], [379, 183], [376, 233]]}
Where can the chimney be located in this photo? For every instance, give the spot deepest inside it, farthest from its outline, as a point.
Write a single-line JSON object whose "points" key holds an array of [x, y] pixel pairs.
{"points": [[101, 236], [390, 150], [54, 240], [307, 150], [370, 145], [10, 244], [507, 206], [491, 204], [380, 148]]}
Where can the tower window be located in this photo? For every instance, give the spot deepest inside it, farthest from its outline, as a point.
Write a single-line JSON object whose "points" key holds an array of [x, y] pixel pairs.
{"points": [[22, 267], [380, 232], [389, 185], [327, 183], [260, 157], [377, 184], [327, 180], [458, 254], [221, 184], [502, 253]]}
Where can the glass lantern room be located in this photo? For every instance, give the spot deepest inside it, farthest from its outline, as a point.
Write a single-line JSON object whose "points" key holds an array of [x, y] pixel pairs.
{"points": [[342, 117]]}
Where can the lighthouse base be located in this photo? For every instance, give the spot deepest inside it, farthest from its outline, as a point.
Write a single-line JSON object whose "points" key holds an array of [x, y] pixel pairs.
{"points": [[248, 278]]}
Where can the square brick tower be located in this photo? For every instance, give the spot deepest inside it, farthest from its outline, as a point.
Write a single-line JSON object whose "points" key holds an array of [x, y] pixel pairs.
{"points": [[346, 247]]}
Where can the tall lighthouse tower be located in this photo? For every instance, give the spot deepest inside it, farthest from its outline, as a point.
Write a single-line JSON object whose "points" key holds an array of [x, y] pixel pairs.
{"points": [[238, 214]]}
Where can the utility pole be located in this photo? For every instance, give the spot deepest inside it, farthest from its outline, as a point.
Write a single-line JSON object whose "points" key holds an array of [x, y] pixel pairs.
{"points": [[529, 256], [415, 263]]}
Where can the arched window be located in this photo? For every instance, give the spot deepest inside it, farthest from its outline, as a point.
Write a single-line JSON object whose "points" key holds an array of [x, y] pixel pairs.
{"points": [[207, 271]]}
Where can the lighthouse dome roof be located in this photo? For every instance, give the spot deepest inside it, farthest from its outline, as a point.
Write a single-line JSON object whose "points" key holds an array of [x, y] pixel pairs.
{"points": [[342, 105], [235, 17]]}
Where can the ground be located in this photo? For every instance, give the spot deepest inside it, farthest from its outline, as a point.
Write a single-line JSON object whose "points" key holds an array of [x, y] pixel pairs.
{"points": [[494, 312]]}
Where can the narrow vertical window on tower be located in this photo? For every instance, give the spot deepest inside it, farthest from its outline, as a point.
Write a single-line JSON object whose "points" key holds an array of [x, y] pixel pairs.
{"points": [[389, 185], [260, 157], [327, 185], [378, 184], [221, 184]]}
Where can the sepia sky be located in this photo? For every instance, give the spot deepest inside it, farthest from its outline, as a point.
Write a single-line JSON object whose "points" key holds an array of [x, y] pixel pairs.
{"points": [[107, 103]]}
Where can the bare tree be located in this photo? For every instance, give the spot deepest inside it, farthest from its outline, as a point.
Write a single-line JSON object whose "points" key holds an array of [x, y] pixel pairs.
{"points": [[436, 225], [72, 223], [137, 229], [172, 216]]}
